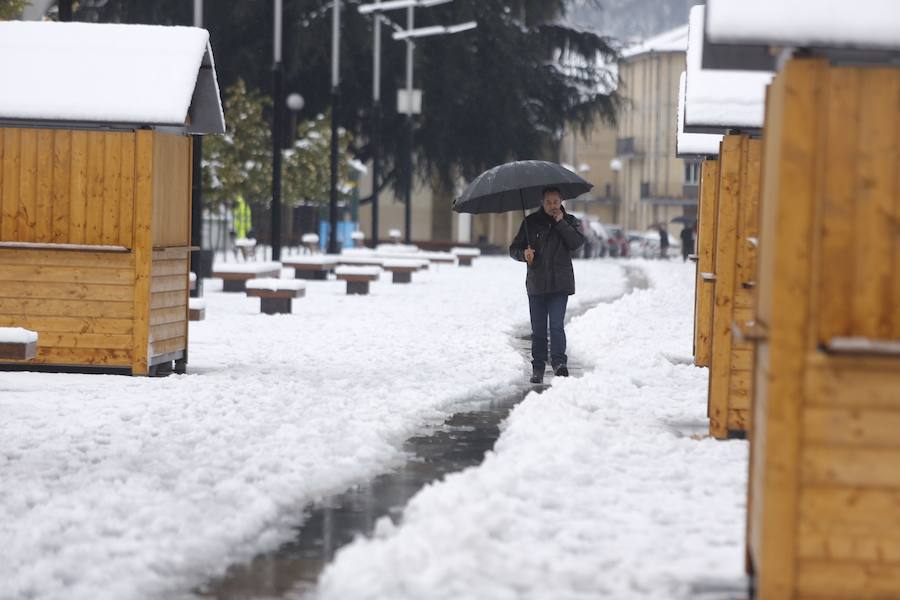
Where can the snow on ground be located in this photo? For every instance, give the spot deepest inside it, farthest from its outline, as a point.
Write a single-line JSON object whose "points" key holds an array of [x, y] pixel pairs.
{"points": [[595, 489], [120, 487]]}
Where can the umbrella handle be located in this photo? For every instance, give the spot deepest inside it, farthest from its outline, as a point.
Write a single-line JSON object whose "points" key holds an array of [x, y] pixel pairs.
{"points": [[524, 218]]}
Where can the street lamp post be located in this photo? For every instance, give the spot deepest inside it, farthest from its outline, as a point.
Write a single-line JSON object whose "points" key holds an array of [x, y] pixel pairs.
{"points": [[378, 7], [277, 112], [335, 105], [376, 122]]}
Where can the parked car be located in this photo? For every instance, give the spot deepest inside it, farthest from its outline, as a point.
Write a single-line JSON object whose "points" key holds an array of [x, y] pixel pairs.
{"points": [[594, 236], [616, 241], [650, 245]]}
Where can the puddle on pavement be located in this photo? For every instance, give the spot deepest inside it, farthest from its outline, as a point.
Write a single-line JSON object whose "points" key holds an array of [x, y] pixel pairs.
{"points": [[461, 441]]}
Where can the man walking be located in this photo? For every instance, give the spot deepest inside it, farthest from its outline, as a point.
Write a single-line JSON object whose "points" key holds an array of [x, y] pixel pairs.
{"points": [[546, 240]]}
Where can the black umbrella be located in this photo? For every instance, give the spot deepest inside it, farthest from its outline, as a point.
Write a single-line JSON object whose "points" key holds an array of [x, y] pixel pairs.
{"points": [[518, 185], [684, 219]]}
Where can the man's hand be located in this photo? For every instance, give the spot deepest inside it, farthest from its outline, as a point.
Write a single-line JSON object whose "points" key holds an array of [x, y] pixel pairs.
{"points": [[558, 215], [529, 255]]}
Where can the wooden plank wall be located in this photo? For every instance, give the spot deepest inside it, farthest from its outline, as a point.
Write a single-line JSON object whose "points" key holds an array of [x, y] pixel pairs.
{"points": [[66, 186], [169, 302], [825, 481], [80, 303], [706, 243], [731, 360], [171, 190]]}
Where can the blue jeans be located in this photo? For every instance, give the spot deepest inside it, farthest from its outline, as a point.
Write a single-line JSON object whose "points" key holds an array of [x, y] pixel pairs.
{"points": [[546, 307]]}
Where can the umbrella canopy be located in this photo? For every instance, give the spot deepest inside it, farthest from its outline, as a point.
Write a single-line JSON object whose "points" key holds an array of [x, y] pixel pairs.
{"points": [[518, 186], [685, 220]]}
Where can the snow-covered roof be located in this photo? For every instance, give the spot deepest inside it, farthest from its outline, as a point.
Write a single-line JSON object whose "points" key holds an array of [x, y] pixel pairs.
{"points": [[109, 73], [674, 40], [816, 23], [693, 144], [720, 99]]}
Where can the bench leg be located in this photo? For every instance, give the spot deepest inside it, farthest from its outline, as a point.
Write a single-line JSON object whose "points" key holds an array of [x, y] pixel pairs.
{"points": [[234, 285], [298, 274], [358, 287], [181, 366], [402, 277], [275, 306], [465, 261]]}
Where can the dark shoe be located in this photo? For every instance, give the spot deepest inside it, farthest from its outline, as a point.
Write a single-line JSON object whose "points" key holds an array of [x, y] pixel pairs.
{"points": [[562, 371], [537, 375]]}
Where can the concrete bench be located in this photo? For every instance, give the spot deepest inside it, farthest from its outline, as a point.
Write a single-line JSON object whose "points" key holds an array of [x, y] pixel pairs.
{"points": [[402, 269], [311, 267], [246, 246], [17, 343], [196, 309], [275, 295], [357, 278], [235, 276], [465, 255]]}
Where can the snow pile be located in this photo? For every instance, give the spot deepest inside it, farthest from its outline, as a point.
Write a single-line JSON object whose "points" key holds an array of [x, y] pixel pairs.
{"points": [[698, 144], [596, 489], [247, 267], [99, 72], [828, 23], [133, 488], [721, 98], [274, 284], [17, 335], [364, 271]]}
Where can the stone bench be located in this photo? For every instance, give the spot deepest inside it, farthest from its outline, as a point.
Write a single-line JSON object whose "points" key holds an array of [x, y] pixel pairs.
{"points": [[17, 343], [196, 309], [402, 269], [465, 256], [235, 276], [275, 295], [311, 267], [357, 278]]}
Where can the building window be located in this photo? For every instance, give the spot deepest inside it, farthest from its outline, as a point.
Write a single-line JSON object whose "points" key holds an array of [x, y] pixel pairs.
{"points": [[691, 173]]}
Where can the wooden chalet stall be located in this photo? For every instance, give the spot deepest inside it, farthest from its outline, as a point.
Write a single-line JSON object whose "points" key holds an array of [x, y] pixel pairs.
{"points": [[732, 103], [702, 146], [824, 499], [95, 188]]}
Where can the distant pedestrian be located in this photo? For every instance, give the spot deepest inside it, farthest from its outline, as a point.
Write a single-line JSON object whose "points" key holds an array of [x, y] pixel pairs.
{"points": [[552, 237], [663, 241], [687, 242]]}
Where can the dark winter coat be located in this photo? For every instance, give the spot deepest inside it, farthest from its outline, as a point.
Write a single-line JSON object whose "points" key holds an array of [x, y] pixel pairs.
{"points": [[553, 245]]}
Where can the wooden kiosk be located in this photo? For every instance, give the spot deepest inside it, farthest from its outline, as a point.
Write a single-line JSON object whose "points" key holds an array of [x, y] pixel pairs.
{"points": [[704, 147], [732, 103], [824, 499], [95, 189]]}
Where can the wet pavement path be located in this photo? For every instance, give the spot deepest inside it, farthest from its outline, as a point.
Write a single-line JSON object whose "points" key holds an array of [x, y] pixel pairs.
{"points": [[460, 442]]}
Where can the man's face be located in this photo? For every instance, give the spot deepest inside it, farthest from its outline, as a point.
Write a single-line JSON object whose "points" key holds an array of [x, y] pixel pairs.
{"points": [[552, 202]]}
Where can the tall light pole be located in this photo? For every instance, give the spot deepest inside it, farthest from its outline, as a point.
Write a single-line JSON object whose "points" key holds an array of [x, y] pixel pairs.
{"points": [[335, 105], [277, 127], [196, 190], [409, 35], [376, 121]]}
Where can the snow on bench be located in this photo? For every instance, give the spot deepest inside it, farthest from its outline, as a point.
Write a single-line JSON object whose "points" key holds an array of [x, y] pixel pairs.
{"points": [[311, 267], [396, 248], [235, 276], [196, 309], [465, 256], [17, 343], [402, 269], [357, 278], [360, 260], [275, 295]]}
